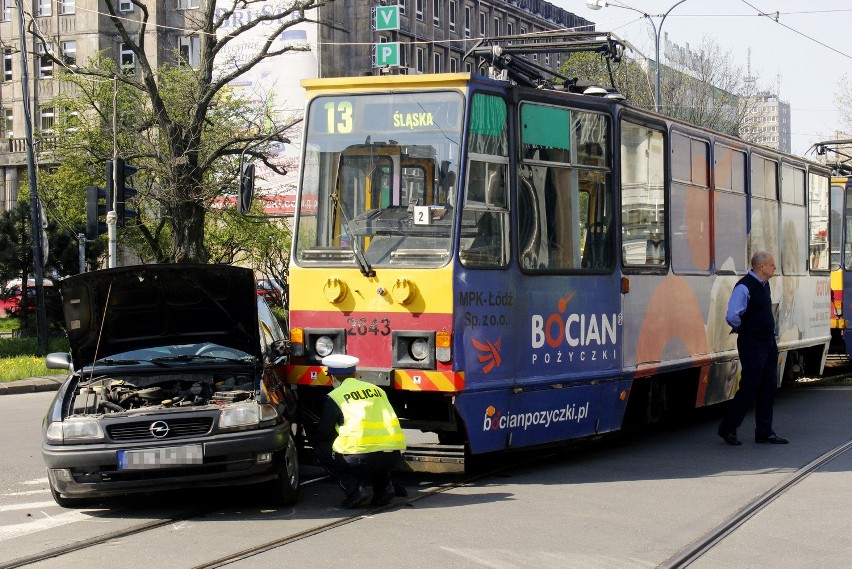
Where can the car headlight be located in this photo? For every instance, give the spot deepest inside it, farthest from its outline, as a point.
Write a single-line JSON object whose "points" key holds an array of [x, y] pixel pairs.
{"points": [[419, 349], [248, 415], [324, 346], [74, 430]]}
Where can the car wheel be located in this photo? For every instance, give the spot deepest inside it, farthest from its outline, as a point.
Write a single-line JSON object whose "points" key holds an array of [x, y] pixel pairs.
{"points": [[70, 503], [284, 489]]}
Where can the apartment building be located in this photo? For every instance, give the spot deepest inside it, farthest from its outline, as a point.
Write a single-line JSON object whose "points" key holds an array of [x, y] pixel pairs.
{"points": [[78, 30], [434, 36], [768, 122]]}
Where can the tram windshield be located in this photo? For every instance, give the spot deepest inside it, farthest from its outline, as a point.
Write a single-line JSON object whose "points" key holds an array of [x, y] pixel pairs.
{"points": [[378, 180]]}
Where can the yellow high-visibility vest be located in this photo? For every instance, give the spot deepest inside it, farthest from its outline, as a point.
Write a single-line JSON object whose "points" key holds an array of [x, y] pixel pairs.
{"points": [[369, 422]]}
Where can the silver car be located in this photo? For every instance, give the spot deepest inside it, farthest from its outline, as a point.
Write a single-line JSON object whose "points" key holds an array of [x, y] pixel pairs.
{"points": [[176, 380]]}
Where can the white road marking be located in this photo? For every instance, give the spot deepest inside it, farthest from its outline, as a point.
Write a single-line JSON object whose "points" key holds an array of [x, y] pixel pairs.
{"points": [[48, 522], [27, 506], [36, 481], [27, 492]]}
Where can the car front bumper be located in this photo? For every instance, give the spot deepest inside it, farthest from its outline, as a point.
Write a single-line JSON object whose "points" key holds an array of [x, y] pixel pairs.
{"points": [[92, 470]]}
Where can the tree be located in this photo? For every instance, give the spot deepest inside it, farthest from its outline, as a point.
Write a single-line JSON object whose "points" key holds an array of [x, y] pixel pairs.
{"points": [[706, 88], [254, 240], [181, 126], [843, 101], [627, 76], [703, 88]]}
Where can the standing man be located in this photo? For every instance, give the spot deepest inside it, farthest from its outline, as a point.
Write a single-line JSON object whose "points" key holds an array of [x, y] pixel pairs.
{"points": [[358, 438], [750, 316]]}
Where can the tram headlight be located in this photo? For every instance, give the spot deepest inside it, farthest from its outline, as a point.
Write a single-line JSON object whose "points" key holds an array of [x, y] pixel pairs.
{"points": [[324, 346], [413, 349], [419, 349], [322, 342]]}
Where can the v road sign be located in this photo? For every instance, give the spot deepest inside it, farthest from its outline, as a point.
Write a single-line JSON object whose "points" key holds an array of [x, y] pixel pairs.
{"points": [[386, 18]]}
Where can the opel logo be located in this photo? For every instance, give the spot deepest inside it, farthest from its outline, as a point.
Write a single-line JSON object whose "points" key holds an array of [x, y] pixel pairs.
{"points": [[159, 429]]}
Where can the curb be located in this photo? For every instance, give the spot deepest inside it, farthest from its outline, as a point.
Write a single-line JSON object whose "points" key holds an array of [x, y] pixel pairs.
{"points": [[32, 385]]}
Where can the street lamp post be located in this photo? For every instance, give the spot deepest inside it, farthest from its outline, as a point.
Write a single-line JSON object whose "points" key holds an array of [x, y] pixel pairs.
{"points": [[598, 4]]}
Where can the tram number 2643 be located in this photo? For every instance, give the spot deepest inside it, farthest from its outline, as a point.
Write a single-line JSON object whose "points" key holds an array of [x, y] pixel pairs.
{"points": [[363, 326]]}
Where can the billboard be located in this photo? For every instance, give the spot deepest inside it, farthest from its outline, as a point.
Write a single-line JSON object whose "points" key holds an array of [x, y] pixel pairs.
{"points": [[274, 82]]}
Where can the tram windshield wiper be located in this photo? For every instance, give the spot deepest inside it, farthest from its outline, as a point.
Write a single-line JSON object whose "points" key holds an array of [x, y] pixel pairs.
{"points": [[363, 264]]}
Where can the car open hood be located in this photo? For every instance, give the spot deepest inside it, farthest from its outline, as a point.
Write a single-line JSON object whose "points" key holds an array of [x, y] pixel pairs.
{"points": [[127, 308]]}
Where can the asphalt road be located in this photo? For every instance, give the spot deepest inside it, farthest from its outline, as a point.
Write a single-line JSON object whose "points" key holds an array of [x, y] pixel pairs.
{"points": [[630, 501]]}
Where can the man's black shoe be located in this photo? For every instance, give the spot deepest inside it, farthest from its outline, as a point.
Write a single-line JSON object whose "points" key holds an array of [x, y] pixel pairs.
{"points": [[731, 439], [360, 498], [772, 439], [384, 497]]}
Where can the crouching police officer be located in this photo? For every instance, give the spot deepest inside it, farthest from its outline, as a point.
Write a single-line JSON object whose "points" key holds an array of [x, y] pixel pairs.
{"points": [[358, 438]]}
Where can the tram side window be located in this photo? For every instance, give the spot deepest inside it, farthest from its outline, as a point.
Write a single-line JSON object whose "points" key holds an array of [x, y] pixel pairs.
{"points": [[794, 237], [484, 240], [730, 210], [643, 197], [818, 194], [847, 254], [689, 209], [564, 204], [484, 234], [836, 224], [764, 206]]}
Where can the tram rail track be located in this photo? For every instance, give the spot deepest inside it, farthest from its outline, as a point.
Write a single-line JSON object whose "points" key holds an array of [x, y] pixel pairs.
{"points": [[252, 551], [682, 558], [120, 534], [706, 542]]}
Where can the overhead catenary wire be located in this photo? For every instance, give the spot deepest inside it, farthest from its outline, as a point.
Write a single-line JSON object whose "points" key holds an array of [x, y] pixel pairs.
{"points": [[794, 30]]}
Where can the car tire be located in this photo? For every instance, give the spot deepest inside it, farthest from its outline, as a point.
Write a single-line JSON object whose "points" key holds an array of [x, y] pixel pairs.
{"points": [[284, 489], [70, 503]]}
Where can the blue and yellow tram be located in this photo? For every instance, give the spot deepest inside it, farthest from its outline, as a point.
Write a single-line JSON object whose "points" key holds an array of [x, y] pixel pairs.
{"points": [[841, 263], [520, 266]]}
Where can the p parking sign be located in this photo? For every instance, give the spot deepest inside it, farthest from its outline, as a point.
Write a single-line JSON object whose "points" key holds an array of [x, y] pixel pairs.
{"points": [[387, 54]]}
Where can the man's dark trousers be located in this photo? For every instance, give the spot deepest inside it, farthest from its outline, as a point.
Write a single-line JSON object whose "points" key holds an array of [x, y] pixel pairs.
{"points": [[758, 382]]}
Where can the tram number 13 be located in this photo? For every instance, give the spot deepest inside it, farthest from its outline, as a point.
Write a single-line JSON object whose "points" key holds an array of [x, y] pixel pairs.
{"points": [[339, 118], [361, 327]]}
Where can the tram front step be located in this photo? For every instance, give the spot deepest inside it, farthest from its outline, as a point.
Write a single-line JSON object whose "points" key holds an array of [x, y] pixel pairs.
{"points": [[433, 458]]}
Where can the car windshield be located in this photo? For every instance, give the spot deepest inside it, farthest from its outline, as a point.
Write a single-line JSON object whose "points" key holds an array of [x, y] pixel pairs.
{"points": [[177, 354]]}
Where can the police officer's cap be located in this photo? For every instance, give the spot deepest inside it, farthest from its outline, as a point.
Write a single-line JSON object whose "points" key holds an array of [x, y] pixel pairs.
{"points": [[340, 363]]}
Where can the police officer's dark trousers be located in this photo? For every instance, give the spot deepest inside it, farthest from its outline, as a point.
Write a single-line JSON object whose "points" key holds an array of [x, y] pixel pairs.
{"points": [[350, 470], [759, 359]]}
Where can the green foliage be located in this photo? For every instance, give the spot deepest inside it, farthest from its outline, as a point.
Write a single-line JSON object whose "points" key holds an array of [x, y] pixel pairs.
{"points": [[22, 367], [251, 240], [703, 88], [630, 79], [173, 190], [16, 254], [14, 347], [8, 324]]}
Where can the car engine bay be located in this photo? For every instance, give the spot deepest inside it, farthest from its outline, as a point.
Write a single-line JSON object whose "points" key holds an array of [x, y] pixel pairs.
{"points": [[105, 395]]}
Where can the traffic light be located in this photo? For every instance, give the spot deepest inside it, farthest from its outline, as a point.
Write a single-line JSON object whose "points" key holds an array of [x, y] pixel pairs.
{"points": [[246, 188], [123, 192], [97, 204]]}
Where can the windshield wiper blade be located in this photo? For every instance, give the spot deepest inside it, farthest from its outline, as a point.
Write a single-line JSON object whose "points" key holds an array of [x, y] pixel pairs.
{"points": [[195, 357], [115, 362], [363, 264]]}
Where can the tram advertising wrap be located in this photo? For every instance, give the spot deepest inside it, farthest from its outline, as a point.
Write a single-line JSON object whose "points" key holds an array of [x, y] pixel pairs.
{"points": [[520, 266]]}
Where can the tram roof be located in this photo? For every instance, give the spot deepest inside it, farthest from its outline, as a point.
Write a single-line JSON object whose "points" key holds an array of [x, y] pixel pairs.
{"points": [[429, 80]]}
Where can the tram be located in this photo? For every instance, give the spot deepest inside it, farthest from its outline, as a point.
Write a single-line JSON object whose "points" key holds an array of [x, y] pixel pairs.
{"points": [[839, 159], [841, 263], [521, 263]]}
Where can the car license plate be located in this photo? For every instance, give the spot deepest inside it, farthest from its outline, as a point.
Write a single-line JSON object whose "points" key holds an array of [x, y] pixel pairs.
{"points": [[160, 457]]}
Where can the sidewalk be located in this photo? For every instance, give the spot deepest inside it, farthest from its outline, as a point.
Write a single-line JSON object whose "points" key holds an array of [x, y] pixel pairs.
{"points": [[32, 384]]}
